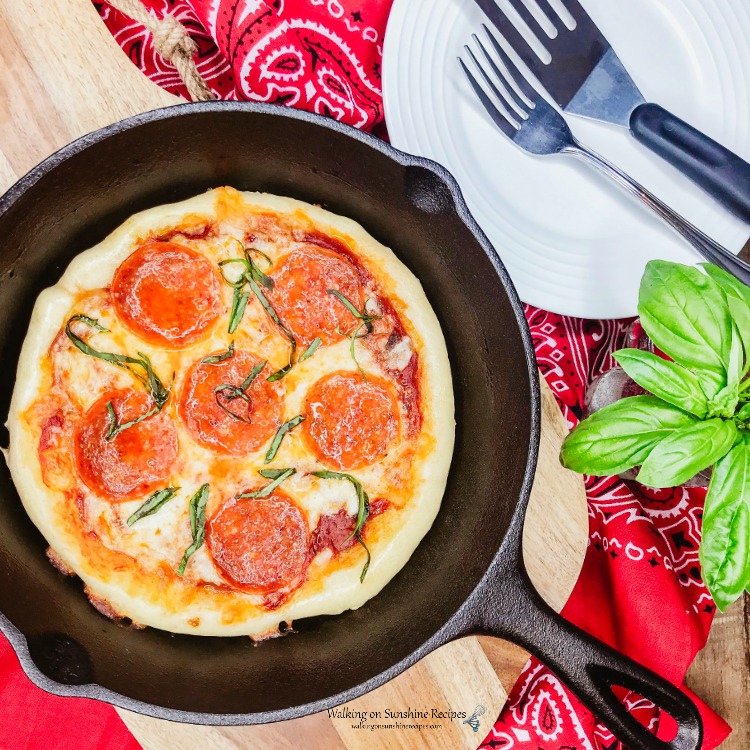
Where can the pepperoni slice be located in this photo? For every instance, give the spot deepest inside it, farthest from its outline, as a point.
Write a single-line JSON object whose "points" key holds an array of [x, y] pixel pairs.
{"points": [[167, 294], [135, 461], [260, 543], [350, 422], [300, 295], [244, 423]]}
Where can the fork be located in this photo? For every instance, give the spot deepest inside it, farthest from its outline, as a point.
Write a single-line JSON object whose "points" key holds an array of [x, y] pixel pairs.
{"points": [[523, 115]]}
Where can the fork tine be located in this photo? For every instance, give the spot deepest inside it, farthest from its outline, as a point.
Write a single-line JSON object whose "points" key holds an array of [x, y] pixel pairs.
{"points": [[515, 73], [575, 9], [528, 18], [503, 122], [510, 98]]}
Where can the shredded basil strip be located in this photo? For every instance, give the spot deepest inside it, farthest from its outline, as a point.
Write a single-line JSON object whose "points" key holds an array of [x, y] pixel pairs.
{"points": [[277, 475], [363, 511], [197, 525], [316, 342], [366, 322], [150, 380], [258, 292], [364, 316], [228, 354], [153, 504], [116, 428], [232, 392], [276, 444], [239, 303], [252, 272]]}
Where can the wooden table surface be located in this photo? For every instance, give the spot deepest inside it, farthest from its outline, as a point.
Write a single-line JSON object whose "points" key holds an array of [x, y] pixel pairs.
{"points": [[62, 75]]}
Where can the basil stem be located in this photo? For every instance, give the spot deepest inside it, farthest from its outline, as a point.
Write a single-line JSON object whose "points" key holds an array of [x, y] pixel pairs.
{"points": [[366, 322], [197, 525], [277, 475], [150, 380], [228, 354], [232, 392], [316, 342], [286, 427], [363, 511], [159, 498]]}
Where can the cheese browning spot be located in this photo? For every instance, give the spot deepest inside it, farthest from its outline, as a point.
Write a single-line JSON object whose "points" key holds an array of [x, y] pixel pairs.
{"points": [[350, 422], [218, 418], [167, 294], [260, 544], [301, 299], [135, 461]]}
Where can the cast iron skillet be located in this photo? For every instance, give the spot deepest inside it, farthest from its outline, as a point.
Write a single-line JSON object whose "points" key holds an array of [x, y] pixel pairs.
{"points": [[466, 577]]}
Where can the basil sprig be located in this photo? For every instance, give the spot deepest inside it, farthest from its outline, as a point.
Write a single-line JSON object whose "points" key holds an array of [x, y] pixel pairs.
{"points": [[366, 321], [231, 392], [696, 416], [148, 377], [363, 511], [198, 504], [276, 442], [154, 503], [255, 278], [277, 475]]}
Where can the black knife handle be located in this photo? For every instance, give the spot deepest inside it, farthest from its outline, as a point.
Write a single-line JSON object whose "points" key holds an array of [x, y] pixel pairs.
{"points": [[715, 169]]}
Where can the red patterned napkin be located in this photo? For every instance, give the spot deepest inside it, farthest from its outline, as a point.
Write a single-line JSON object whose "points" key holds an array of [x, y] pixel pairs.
{"points": [[641, 588]]}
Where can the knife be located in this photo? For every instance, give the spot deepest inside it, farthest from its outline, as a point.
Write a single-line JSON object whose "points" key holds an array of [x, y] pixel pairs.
{"points": [[587, 78]]}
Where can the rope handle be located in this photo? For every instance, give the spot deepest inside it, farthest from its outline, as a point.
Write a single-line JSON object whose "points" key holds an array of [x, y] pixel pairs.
{"points": [[172, 42]]}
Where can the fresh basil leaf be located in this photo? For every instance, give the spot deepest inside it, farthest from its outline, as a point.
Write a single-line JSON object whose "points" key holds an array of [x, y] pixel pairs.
{"points": [[683, 454], [621, 435], [724, 403], [279, 475], [153, 504], [738, 299], [198, 504], [667, 380], [725, 545], [743, 415], [279, 436], [685, 313]]}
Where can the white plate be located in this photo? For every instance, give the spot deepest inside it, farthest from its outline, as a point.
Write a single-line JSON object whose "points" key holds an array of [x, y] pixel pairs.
{"points": [[572, 242]]}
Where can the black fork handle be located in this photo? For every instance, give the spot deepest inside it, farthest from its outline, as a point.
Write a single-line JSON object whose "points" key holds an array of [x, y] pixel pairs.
{"points": [[711, 166]]}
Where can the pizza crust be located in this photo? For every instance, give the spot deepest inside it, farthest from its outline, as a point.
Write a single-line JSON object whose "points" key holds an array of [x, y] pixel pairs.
{"points": [[174, 606]]}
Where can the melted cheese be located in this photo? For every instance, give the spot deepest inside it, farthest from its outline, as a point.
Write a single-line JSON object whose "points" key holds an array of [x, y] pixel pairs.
{"points": [[132, 568]]}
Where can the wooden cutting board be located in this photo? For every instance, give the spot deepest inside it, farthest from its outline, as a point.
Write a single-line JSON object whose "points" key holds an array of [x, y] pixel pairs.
{"points": [[62, 75]]}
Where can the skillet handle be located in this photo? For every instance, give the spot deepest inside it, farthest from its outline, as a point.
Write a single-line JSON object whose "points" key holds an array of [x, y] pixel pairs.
{"points": [[589, 667]]}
